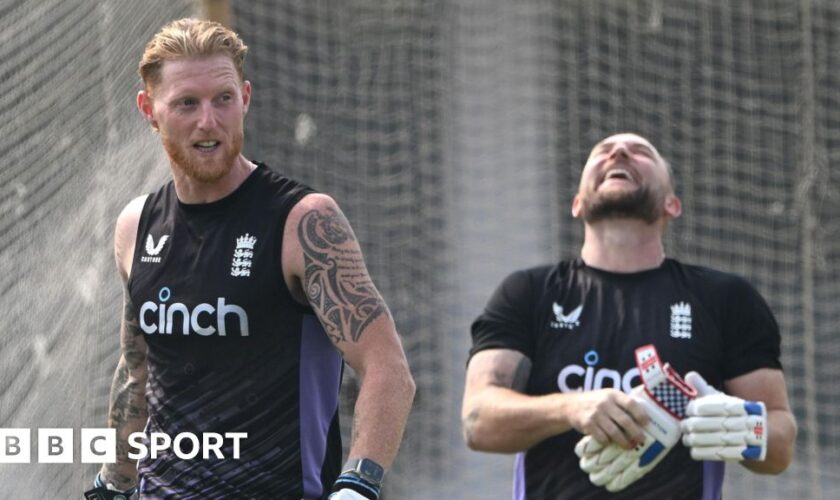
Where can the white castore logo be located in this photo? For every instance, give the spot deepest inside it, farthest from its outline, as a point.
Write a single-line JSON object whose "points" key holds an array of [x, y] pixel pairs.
{"points": [[153, 250], [567, 321], [681, 320], [241, 264]]}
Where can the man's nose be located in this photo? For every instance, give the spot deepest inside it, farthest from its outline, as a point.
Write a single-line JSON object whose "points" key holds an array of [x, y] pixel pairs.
{"points": [[619, 150], [207, 118]]}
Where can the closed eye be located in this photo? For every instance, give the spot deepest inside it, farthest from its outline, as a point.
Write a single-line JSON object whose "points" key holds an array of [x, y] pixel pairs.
{"points": [[642, 150]]}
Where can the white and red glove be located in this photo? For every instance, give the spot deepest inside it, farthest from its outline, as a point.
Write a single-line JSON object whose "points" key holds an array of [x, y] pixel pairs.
{"points": [[345, 494], [664, 396], [723, 427], [107, 491]]}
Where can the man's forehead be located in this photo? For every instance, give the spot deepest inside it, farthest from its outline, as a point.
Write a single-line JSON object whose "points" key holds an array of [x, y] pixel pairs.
{"points": [[626, 138], [214, 64]]}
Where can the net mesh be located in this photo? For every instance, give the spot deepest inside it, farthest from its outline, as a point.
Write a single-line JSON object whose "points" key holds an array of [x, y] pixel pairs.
{"points": [[452, 135]]}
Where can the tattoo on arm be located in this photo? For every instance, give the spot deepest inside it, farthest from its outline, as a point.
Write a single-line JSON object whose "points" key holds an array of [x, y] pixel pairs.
{"points": [[511, 377], [128, 412], [336, 281], [521, 375], [469, 423], [504, 368]]}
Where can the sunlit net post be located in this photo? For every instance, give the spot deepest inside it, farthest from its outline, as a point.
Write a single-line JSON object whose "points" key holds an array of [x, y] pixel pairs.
{"points": [[452, 133]]}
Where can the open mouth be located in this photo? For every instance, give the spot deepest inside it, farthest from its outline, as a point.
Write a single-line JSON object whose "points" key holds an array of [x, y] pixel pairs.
{"points": [[206, 146], [618, 174]]}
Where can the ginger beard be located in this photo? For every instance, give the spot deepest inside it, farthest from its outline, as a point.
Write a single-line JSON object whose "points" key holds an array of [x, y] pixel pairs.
{"points": [[204, 169], [642, 203]]}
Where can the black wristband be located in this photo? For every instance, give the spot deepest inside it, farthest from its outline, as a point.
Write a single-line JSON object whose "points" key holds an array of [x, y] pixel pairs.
{"points": [[352, 481]]}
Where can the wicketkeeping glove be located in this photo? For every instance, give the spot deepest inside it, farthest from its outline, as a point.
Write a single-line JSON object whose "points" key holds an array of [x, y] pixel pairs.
{"points": [[723, 427], [664, 396]]}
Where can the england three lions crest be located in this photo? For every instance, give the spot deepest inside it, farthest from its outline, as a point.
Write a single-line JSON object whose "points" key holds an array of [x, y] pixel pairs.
{"points": [[681, 320], [242, 255]]}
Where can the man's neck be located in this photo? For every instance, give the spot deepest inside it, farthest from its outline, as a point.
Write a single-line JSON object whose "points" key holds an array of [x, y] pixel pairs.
{"points": [[623, 245], [192, 191]]}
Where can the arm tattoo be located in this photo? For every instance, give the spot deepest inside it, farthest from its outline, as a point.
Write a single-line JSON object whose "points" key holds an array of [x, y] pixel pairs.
{"points": [[469, 423], [134, 353], [335, 281], [521, 375], [516, 379], [128, 412]]}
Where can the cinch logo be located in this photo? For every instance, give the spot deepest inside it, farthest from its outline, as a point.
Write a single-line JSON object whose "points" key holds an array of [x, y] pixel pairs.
{"points": [[574, 378], [191, 321]]}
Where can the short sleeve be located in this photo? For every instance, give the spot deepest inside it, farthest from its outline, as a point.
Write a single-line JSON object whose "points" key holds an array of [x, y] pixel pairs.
{"points": [[507, 320], [752, 338]]}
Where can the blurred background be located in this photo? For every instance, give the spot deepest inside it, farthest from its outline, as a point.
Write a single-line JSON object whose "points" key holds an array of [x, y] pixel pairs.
{"points": [[452, 133]]}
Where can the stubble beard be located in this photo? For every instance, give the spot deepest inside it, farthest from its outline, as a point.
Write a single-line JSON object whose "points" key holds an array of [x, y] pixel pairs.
{"points": [[204, 170], [640, 204]]}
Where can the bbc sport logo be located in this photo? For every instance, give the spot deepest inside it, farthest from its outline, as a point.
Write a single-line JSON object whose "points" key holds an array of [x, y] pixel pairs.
{"points": [[99, 445]]}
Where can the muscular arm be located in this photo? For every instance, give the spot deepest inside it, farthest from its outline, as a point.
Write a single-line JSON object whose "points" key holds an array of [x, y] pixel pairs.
{"points": [[127, 408], [497, 417], [127, 412], [322, 252], [768, 385]]}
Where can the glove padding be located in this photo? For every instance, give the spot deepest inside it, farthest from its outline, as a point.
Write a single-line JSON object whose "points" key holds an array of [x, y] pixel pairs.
{"points": [[723, 427], [346, 494], [107, 491], [614, 467]]}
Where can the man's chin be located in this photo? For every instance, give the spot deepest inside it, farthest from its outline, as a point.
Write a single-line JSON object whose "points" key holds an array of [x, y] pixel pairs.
{"points": [[617, 188], [205, 170], [207, 175], [634, 205], [618, 217]]}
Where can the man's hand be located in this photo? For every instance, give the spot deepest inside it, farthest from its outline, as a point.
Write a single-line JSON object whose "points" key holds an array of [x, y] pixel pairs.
{"points": [[610, 416], [723, 427], [616, 468], [663, 396]]}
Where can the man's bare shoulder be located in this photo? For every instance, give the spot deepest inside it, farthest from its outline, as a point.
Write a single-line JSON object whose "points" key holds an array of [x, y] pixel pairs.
{"points": [[312, 201], [130, 214], [305, 208], [125, 233]]}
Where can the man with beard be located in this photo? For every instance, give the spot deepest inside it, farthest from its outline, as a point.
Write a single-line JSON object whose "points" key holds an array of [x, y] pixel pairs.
{"points": [[244, 290], [553, 353]]}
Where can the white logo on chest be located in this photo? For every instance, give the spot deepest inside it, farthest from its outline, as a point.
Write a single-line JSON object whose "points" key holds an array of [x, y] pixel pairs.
{"points": [[575, 378], [241, 263], [681, 320], [565, 321], [153, 250], [203, 319]]}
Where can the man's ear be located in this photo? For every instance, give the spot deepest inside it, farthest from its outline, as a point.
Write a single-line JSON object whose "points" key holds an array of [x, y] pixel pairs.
{"points": [[146, 108], [576, 206], [246, 96], [673, 206]]}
